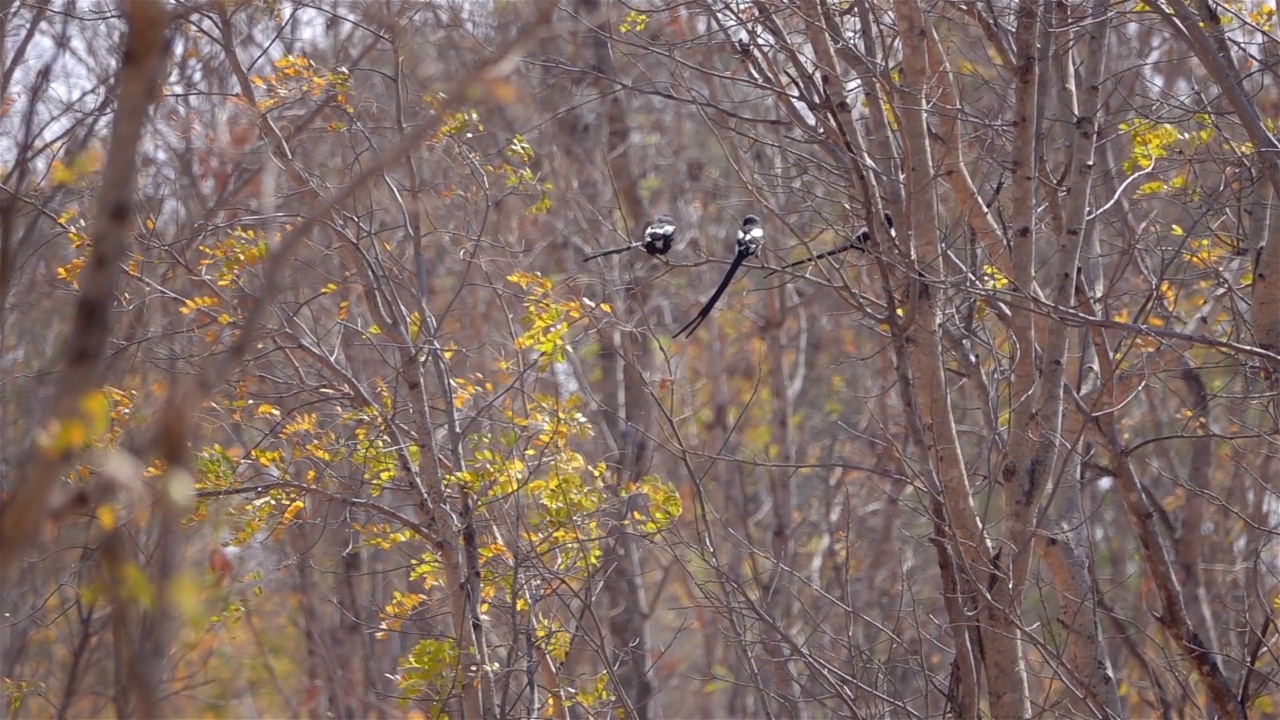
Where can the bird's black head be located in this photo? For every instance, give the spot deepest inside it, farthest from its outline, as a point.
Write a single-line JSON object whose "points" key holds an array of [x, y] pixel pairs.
{"points": [[750, 237]]}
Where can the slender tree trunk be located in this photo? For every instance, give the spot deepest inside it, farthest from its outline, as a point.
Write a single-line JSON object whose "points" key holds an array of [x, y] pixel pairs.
{"points": [[627, 400], [1000, 630]]}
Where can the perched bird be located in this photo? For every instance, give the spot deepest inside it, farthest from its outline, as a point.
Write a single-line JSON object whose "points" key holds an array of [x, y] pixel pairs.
{"points": [[858, 242], [750, 238], [658, 237]]}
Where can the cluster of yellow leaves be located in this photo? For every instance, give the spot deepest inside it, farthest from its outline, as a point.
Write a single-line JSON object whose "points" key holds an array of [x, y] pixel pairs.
{"points": [[309, 439], [1158, 186], [76, 169], [517, 173], [98, 425], [267, 457], [458, 125], [382, 535], [74, 227], [1203, 251], [593, 695], [1262, 15], [547, 318], [663, 507], [552, 637], [993, 279], [297, 76], [1151, 141], [428, 671], [377, 458], [401, 606], [530, 465], [59, 438], [531, 281], [520, 176], [634, 22], [257, 514], [232, 255], [299, 437], [215, 468], [464, 390], [203, 302], [16, 691]]}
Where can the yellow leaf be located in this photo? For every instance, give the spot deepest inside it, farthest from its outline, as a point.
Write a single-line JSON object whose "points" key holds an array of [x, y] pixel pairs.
{"points": [[73, 435], [106, 517], [502, 91], [60, 174], [1177, 230], [292, 511], [97, 412]]}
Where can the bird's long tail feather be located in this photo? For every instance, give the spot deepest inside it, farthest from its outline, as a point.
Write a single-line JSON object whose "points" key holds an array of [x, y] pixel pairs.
{"points": [[610, 251], [693, 324], [859, 242]]}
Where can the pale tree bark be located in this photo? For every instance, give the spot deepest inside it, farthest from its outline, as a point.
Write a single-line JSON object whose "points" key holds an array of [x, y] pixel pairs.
{"points": [[865, 157], [1065, 553], [1265, 311], [1001, 649], [953, 164], [966, 684], [1155, 555], [1021, 474], [1199, 470]]}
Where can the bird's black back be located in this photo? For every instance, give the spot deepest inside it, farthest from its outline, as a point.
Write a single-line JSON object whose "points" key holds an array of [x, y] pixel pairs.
{"points": [[750, 237], [660, 235]]}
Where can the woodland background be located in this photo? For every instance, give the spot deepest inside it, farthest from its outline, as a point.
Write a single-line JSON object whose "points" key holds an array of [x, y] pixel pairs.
{"points": [[308, 406]]}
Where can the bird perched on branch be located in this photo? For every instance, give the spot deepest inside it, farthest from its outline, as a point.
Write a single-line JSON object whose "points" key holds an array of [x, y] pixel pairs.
{"points": [[750, 238], [858, 242], [658, 238]]}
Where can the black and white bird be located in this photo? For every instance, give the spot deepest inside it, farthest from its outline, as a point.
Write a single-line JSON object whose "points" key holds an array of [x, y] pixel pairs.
{"points": [[858, 242], [659, 235], [750, 238]]}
